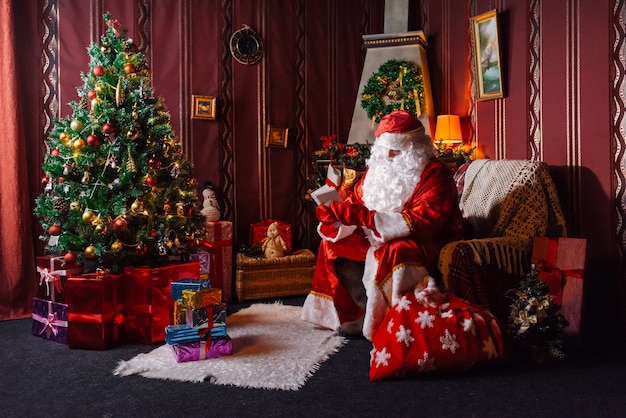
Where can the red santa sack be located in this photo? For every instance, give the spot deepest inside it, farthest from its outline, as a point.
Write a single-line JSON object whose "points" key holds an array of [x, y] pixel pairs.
{"points": [[428, 330]]}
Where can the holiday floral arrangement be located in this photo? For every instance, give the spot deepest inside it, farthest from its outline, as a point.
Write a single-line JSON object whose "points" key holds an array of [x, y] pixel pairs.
{"points": [[535, 321], [351, 156], [459, 154]]}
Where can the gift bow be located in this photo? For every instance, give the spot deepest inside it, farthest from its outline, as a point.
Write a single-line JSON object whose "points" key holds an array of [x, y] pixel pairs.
{"points": [[48, 277], [51, 322], [555, 278]]}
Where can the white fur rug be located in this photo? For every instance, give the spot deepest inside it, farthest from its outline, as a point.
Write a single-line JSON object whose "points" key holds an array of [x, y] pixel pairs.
{"points": [[272, 349]]}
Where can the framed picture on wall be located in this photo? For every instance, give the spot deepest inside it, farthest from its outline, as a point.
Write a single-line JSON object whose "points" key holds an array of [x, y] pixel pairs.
{"points": [[203, 107], [276, 137], [486, 49]]}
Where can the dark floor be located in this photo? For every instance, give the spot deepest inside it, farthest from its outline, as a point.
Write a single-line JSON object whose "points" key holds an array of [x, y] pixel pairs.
{"points": [[40, 378]]}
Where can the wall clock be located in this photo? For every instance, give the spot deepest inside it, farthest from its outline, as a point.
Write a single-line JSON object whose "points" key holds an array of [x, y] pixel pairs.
{"points": [[246, 46]]}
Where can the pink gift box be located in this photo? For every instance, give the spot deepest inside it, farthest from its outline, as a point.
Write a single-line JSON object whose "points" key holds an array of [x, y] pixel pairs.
{"points": [[561, 263], [50, 320], [202, 350]]}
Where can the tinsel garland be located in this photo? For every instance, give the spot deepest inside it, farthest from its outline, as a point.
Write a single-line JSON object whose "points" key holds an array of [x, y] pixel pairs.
{"points": [[397, 85]]}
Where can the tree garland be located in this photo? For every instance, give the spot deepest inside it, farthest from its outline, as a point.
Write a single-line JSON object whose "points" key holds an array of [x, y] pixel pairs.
{"points": [[397, 85]]}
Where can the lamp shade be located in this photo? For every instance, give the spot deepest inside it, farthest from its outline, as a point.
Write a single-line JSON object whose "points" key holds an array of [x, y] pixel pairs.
{"points": [[448, 129]]}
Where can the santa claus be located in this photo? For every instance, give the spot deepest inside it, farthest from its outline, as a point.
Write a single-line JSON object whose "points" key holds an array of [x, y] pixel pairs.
{"points": [[393, 223]]}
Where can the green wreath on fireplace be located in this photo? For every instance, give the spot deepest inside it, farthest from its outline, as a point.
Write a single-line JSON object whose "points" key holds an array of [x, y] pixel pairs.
{"points": [[397, 85]]}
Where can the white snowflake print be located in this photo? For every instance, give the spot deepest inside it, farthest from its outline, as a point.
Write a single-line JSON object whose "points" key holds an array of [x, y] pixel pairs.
{"points": [[425, 320], [403, 304], [390, 326], [447, 314], [489, 348], [448, 342], [468, 326], [404, 336], [381, 357], [426, 364]]}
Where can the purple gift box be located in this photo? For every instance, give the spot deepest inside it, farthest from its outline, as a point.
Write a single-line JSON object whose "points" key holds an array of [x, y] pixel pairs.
{"points": [[202, 350], [50, 320]]}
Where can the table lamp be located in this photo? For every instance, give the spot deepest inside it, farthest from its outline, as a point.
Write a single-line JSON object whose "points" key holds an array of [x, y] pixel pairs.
{"points": [[448, 129]]}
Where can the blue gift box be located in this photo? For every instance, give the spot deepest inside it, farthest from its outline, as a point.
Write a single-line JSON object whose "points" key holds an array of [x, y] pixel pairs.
{"points": [[50, 320], [218, 332], [188, 284], [183, 333]]}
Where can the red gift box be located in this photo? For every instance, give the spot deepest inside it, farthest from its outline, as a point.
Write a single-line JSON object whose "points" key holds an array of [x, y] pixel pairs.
{"points": [[219, 245], [258, 232], [561, 265], [148, 306], [53, 273], [94, 311], [185, 270]]}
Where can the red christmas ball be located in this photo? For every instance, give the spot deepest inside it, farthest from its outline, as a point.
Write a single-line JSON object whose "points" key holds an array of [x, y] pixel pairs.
{"points": [[120, 224], [55, 152], [92, 94], [54, 230], [141, 248], [154, 163], [107, 128], [92, 140], [151, 181], [70, 258], [60, 179], [98, 70]]}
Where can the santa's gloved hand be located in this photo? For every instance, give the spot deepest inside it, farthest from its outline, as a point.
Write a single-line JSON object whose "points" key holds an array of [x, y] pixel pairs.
{"points": [[325, 214], [353, 214]]}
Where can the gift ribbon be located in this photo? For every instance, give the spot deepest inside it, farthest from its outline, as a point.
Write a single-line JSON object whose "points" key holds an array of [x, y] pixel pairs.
{"points": [[50, 276], [554, 278], [51, 322]]}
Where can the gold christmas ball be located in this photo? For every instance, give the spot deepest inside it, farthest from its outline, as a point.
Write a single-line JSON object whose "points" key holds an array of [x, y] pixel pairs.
{"points": [[74, 205], [117, 246], [137, 206], [90, 252], [101, 229], [88, 216], [64, 137], [76, 125], [79, 144]]}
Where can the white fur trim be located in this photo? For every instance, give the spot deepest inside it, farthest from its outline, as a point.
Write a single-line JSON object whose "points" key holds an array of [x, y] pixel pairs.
{"points": [[400, 141], [403, 279], [320, 311], [391, 225], [342, 232]]}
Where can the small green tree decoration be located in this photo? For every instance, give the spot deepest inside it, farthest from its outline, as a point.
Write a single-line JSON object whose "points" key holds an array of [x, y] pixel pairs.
{"points": [[117, 188], [535, 321]]}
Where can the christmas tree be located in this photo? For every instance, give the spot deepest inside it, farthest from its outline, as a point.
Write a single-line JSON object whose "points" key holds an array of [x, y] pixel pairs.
{"points": [[117, 188]]}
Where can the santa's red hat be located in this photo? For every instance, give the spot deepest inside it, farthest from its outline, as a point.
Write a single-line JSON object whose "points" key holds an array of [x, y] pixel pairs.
{"points": [[400, 129]]}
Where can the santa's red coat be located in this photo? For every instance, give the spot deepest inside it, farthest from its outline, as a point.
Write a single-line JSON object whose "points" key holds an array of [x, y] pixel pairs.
{"points": [[406, 251]]}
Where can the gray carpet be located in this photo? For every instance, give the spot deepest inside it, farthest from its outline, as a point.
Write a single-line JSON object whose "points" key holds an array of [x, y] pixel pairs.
{"points": [[44, 378]]}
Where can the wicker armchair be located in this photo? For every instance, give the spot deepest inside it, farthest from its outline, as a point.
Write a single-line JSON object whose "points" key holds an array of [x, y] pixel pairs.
{"points": [[505, 204]]}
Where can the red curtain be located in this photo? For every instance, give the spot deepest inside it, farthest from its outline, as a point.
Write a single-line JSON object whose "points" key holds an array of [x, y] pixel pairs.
{"points": [[17, 269]]}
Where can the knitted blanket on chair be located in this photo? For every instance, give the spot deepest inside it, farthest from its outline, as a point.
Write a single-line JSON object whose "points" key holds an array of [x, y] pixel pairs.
{"points": [[508, 202]]}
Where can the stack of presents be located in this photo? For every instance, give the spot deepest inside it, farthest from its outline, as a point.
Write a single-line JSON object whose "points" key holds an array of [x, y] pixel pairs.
{"points": [[182, 304]]}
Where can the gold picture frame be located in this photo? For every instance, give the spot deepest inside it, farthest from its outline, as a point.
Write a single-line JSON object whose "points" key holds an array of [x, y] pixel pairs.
{"points": [[487, 59], [203, 107], [276, 137]]}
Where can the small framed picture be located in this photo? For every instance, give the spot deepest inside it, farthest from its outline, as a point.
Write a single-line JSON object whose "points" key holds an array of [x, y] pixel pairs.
{"points": [[203, 107], [276, 137], [487, 56]]}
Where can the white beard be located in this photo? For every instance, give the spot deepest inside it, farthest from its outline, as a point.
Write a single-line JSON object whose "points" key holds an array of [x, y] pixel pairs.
{"points": [[390, 182]]}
